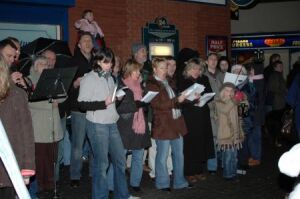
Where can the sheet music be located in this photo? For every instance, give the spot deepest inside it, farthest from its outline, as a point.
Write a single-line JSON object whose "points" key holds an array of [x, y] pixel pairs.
{"points": [[114, 94], [234, 78], [10, 163], [149, 96], [120, 93], [195, 88], [205, 98]]}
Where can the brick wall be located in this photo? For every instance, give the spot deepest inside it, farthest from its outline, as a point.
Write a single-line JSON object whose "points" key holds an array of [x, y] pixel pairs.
{"points": [[122, 20]]}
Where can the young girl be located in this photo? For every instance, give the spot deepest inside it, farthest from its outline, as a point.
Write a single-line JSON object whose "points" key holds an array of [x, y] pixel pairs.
{"points": [[230, 135], [95, 96], [88, 24]]}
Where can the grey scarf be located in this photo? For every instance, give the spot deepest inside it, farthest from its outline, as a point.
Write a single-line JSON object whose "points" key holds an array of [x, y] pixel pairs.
{"points": [[176, 113]]}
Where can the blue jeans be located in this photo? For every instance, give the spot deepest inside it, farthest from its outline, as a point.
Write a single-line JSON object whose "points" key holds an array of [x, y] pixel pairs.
{"points": [[86, 148], [162, 179], [136, 170], [78, 123], [254, 143], [105, 140], [33, 188], [67, 148], [229, 163], [212, 164], [60, 150]]}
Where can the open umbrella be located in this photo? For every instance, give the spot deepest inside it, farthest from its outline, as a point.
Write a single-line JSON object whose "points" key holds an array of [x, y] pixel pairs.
{"points": [[38, 46]]}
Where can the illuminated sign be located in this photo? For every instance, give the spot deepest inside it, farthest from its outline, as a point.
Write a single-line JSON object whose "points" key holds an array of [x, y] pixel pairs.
{"points": [[254, 42], [274, 42], [216, 44]]}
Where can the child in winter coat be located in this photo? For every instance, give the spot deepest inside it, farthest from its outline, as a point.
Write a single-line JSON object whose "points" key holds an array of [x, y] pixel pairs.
{"points": [[230, 134], [88, 24]]}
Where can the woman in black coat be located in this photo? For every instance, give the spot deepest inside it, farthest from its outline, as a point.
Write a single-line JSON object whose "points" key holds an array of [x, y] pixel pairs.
{"points": [[132, 122], [198, 143]]}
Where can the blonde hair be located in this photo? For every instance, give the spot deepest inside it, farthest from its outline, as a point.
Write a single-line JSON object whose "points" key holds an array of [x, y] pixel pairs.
{"points": [[4, 79], [130, 66], [157, 60], [192, 63]]}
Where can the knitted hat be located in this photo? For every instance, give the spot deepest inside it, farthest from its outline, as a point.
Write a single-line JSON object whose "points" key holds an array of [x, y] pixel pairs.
{"points": [[227, 84], [136, 47], [289, 162], [240, 68]]}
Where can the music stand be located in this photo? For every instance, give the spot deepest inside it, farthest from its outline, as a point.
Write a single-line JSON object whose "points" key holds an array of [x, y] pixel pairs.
{"points": [[53, 84]]}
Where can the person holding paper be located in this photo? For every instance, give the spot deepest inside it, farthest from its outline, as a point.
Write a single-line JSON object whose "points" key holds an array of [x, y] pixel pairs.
{"points": [[95, 97], [216, 78], [198, 143], [16, 119], [171, 65], [168, 127], [132, 122], [246, 107]]}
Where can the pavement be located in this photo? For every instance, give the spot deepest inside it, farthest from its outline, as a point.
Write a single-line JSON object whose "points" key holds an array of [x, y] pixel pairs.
{"points": [[261, 182]]}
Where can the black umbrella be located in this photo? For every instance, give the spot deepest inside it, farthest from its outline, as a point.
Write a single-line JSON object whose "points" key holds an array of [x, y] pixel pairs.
{"points": [[38, 46]]}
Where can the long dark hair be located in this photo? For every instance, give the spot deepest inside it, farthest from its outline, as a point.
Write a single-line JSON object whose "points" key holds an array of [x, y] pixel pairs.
{"points": [[106, 55]]}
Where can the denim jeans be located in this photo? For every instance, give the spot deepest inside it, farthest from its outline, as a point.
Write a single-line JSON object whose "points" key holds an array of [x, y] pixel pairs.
{"points": [[162, 179], [86, 148], [229, 163], [67, 148], [254, 142], [78, 136], [60, 150], [105, 140], [151, 159], [33, 188], [243, 153], [212, 164], [136, 169]]}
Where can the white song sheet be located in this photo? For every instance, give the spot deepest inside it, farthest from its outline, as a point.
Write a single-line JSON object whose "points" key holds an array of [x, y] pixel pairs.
{"points": [[149, 96], [192, 90], [205, 98]]}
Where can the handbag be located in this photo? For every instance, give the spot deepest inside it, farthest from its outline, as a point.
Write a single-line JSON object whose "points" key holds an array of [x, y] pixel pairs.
{"points": [[287, 121], [288, 130]]}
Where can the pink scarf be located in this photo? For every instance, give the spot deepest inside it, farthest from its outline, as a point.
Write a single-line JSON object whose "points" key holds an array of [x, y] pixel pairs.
{"points": [[138, 124]]}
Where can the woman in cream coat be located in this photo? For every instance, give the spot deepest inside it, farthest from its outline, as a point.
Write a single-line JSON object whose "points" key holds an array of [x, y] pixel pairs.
{"points": [[47, 131]]}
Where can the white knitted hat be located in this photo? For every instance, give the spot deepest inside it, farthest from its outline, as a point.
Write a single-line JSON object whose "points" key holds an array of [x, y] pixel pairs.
{"points": [[289, 162], [239, 67]]}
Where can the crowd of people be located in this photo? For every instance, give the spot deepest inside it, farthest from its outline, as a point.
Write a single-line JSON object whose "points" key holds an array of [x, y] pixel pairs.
{"points": [[173, 138]]}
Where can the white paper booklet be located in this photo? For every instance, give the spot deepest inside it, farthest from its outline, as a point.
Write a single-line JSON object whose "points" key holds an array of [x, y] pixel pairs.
{"points": [[205, 98], [11, 165], [234, 78], [114, 93], [149, 96], [121, 92], [195, 88]]}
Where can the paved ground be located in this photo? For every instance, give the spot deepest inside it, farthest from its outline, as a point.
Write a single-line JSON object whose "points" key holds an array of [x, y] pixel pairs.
{"points": [[263, 182]]}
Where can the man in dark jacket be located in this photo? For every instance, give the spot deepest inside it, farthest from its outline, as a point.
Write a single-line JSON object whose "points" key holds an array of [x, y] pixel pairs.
{"points": [[82, 58]]}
